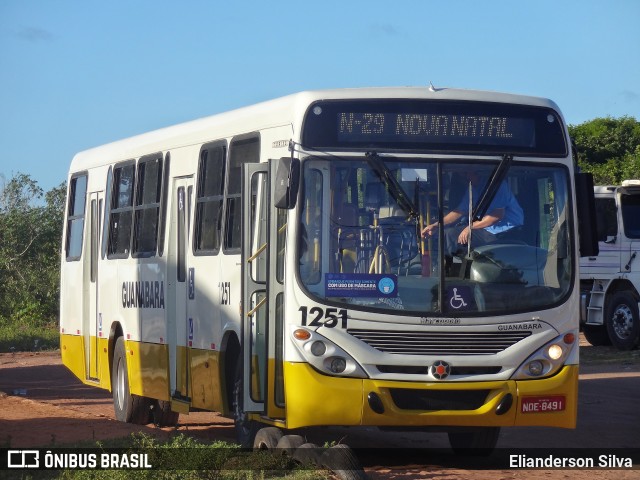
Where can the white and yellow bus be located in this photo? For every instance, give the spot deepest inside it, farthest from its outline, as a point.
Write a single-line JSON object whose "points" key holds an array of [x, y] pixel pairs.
{"points": [[269, 264]]}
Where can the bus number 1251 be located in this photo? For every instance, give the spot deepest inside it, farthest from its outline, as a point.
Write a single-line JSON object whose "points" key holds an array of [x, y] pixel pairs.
{"points": [[328, 317]]}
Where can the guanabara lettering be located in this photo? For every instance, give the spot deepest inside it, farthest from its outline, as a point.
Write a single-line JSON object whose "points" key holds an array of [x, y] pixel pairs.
{"points": [[143, 294], [520, 326]]}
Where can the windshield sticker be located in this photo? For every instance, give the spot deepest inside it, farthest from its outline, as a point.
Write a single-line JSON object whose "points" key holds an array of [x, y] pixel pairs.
{"points": [[361, 285], [460, 298]]}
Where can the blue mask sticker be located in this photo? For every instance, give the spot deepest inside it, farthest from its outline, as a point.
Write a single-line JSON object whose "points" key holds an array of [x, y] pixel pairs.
{"points": [[361, 285]]}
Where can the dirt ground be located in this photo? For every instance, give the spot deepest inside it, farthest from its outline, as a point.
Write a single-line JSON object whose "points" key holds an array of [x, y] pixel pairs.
{"points": [[43, 405]]}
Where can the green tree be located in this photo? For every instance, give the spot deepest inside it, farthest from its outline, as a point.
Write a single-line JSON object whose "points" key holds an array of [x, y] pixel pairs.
{"points": [[30, 232], [609, 148]]}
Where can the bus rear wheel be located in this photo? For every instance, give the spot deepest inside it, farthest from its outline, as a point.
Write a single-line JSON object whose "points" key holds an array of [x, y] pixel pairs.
{"points": [[128, 408], [622, 320], [246, 429]]}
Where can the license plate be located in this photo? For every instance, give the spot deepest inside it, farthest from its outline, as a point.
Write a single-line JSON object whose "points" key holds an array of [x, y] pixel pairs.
{"points": [[543, 404]]}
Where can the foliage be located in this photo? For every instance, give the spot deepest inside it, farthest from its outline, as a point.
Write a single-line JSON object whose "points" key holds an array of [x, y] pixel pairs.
{"points": [[609, 148], [217, 460], [30, 232], [28, 335]]}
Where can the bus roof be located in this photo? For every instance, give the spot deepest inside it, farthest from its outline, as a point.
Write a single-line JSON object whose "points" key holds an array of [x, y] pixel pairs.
{"points": [[288, 110]]}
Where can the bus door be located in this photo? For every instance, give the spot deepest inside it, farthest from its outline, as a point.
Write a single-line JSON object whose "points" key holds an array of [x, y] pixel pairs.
{"points": [[92, 328], [179, 325], [262, 292]]}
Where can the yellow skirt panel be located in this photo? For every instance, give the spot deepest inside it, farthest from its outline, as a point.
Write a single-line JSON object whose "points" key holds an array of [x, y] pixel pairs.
{"points": [[315, 399]]}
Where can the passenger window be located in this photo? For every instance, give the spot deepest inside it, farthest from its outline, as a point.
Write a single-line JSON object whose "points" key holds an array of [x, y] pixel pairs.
{"points": [[121, 215], [107, 204], [163, 203], [210, 193], [244, 149], [75, 217], [147, 206]]}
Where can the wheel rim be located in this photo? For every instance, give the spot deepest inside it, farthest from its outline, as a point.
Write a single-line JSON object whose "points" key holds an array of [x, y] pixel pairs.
{"points": [[120, 387], [622, 321]]}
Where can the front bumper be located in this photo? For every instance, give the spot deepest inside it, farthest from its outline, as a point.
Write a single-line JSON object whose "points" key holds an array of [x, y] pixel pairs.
{"points": [[313, 399]]}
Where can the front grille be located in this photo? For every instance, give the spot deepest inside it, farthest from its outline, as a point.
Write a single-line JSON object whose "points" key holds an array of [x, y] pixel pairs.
{"points": [[438, 343], [424, 370], [411, 399]]}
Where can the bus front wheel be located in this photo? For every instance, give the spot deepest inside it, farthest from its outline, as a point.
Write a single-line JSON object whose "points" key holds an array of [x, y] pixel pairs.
{"points": [[128, 408], [477, 441]]}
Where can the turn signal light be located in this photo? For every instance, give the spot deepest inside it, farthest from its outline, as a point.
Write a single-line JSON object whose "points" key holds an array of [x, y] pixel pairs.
{"points": [[302, 334]]}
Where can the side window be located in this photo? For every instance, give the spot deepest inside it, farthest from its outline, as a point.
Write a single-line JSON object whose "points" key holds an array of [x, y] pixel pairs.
{"points": [[121, 216], [211, 174], [244, 149], [107, 208], [147, 206], [163, 204], [630, 204], [606, 218], [75, 217], [310, 255]]}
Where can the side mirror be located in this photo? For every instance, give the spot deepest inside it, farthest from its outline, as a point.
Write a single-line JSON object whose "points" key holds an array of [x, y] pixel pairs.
{"points": [[586, 208], [287, 183]]}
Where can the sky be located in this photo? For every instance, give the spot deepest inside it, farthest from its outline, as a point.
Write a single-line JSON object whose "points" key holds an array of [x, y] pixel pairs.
{"points": [[75, 74]]}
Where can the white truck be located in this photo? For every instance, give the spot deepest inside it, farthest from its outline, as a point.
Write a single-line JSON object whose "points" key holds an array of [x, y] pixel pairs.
{"points": [[610, 282]]}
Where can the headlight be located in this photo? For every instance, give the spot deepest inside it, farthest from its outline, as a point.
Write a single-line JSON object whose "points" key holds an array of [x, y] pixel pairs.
{"points": [[555, 351], [337, 364], [536, 368], [318, 348], [324, 355], [546, 361]]}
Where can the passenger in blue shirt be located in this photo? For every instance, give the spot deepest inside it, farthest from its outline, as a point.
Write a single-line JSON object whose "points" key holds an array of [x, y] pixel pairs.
{"points": [[503, 214]]}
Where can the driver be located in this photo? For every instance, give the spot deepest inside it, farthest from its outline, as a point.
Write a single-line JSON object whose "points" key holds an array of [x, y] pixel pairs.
{"points": [[503, 214]]}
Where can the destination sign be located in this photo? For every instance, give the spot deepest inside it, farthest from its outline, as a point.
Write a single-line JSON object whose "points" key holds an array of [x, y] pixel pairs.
{"points": [[444, 126], [416, 127]]}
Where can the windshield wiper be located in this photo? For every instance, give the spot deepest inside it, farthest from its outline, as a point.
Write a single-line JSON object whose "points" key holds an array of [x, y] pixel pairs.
{"points": [[489, 193], [395, 189]]}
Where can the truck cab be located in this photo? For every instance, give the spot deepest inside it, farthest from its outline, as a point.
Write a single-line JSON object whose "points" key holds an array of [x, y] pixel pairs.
{"points": [[610, 281]]}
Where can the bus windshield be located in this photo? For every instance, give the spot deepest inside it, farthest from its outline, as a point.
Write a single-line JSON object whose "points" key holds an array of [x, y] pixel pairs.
{"points": [[364, 240]]}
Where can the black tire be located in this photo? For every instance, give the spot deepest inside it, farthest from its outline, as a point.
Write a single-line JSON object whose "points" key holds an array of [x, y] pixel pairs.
{"points": [[267, 438], [622, 321], [477, 442], [162, 414], [288, 444], [341, 460], [245, 428], [308, 454], [128, 408], [596, 335]]}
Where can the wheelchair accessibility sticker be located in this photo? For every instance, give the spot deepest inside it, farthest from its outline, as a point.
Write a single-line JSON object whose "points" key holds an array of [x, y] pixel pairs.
{"points": [[460, 298], [361, 285]]}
